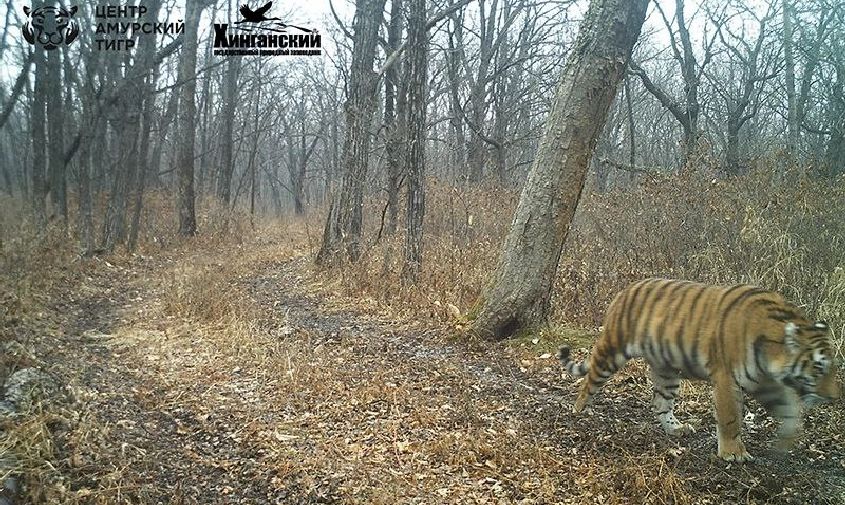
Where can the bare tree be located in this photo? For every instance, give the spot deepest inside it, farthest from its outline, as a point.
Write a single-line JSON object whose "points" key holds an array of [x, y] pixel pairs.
{"points": [[17, 89], [789, 70], [229, 90], [342, 235], [417, 79], [519, 293], [38, 135], [146, 55], [394, 113], [56, 146], [740, 82], [300, 151], [688, 109], [187, 112]]}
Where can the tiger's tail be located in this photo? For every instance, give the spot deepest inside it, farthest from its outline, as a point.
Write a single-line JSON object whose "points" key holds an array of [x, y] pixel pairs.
{"points": [[576, 369]]}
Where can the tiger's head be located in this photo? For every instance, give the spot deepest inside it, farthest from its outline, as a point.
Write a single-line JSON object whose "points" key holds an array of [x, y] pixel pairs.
{"points": [[812, 365], [50, 26]]}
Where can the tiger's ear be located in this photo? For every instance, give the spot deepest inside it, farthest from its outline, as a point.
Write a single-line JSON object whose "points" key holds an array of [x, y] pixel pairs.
{"points": [[73, 10], [790, 331], [821, 325], [26, 10]]}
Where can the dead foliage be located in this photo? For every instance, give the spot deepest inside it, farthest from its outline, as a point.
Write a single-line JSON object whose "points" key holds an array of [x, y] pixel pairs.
{"points": [[782, 232], [226, 369]]}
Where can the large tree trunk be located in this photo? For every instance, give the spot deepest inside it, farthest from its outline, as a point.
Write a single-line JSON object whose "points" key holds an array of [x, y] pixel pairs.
{"points": [[417, 80], [56, 146], [344, 224], [114, 231], [146, 53], [230, 101], [393, 112], [38, 125], [453, 68], [632, 137], [187, 113], [521, 287]]}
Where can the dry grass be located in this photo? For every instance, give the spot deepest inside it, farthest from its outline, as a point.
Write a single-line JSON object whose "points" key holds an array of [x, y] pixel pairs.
{"points": [[464, 228], [41, 273], [332, 414], [788, 236]]}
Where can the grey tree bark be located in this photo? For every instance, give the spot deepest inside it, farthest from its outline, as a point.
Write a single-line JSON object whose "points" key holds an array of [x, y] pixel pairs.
{"points": [[518, 296], [16, 91], [56, 145], [230, 101], [204, 176], [792, 130], [342, 233], [39, 135], [417, 72], [146, 53], [453, 73], [187, 112], [393, 112]]}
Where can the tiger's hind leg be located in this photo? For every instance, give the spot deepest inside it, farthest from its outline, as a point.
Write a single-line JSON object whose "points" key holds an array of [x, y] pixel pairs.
{"points": [[666, 383], [602, 366]]}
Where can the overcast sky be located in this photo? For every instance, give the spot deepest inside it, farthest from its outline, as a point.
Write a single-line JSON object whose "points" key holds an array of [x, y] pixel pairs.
{"points": [[317, 14]]}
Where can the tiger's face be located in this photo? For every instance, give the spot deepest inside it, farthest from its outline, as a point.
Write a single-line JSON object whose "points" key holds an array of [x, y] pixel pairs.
{"points": [[50, 26], [813, 365]]}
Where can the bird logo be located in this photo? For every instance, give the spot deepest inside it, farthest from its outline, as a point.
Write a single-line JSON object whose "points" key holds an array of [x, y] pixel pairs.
{"points": [[259, 16]]}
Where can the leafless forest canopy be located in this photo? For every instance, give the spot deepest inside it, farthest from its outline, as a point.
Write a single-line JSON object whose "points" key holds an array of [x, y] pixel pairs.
{"points": [[413, 132]]}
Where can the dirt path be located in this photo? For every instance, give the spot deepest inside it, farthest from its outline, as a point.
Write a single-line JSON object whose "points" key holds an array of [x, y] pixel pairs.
{"points": [[308, 401]]}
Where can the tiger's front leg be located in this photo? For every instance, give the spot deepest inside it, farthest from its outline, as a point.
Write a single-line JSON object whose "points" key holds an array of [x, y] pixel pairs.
{"points": [[783, 403], [728, 400]]}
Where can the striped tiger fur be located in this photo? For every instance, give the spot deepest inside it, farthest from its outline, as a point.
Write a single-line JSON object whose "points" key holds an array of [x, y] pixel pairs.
{"points": [[740, 338]]}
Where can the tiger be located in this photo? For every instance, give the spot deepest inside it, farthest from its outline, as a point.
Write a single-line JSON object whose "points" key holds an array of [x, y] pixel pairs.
{"points": [[740, 338]]}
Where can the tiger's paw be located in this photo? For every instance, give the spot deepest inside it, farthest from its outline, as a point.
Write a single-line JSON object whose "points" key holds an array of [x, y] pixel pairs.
{"points": [[581, 403], [680, 430], [674, 428], [581, 408], [734, 451], [785, 444], [742, 457]]}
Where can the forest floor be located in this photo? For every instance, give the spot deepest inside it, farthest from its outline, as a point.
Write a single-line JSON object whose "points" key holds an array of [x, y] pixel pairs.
{"points": [[237, 374]]}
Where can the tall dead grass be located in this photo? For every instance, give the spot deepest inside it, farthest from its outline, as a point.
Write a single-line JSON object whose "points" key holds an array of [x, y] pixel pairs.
{"points": [[785, 233], [786, 236], [463, 231]]}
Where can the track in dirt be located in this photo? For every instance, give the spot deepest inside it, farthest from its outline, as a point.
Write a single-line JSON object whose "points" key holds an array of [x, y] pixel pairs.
{"points": [[324, 404]]}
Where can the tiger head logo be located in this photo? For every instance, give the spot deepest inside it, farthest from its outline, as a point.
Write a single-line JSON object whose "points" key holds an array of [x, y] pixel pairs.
{"points": [[50, 26]]}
